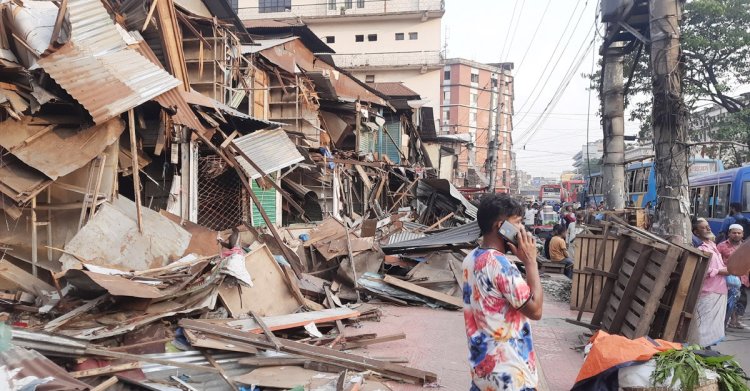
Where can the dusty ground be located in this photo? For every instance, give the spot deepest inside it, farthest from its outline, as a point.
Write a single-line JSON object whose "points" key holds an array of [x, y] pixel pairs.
{"points": [[435, 341], [737, 344]]}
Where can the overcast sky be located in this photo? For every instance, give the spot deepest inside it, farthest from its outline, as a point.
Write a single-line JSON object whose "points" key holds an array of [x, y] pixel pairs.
{"points": [[479, 30]]}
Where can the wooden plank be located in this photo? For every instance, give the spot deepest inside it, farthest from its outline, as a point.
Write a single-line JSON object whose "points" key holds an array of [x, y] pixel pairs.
{"points": [[284, 322], [319, 354], [441, 297], [629, 292], [617, 261], [268, 333], [106, 370], [576, 296], [331, 305], [136, 357], [262, 361], [372, 341], [681, 293], [589, 287], [594, 258], [61, 320], [16, 276], [106, 384], [269, 295], [600, 273], [200, 340], [649, 311], [218, 367]]}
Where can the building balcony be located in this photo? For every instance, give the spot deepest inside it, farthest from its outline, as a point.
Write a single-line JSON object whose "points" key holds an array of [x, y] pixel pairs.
{"points": [[250, 9], [393, 60]]}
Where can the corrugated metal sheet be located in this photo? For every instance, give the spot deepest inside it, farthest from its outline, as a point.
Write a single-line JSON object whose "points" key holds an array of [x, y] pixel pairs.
{"points": [[462, 236], [42, 152], [446, 188], [395, 89], [173, 100], [263, 44], [19, 181], [271, 150], [31, 363], [97, 68], [404, 236]]}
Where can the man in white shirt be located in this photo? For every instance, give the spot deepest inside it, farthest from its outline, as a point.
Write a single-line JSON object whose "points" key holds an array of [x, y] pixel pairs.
{"points": [[529, 217]]}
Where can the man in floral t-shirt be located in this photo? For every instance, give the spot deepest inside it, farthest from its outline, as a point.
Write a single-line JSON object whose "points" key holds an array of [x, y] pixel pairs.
{"points": [[498, 302]]}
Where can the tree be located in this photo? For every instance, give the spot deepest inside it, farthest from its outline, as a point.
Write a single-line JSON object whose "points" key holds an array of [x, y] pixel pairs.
{"points": [[716, 48]]}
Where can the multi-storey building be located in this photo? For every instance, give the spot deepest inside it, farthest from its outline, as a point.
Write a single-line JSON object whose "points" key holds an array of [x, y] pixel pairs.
{"points": [[589, 158], [477, 100], [376, 40]]}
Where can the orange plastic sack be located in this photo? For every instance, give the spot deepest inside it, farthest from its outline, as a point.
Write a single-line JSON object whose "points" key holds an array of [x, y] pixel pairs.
{"points": [[608, 351]]}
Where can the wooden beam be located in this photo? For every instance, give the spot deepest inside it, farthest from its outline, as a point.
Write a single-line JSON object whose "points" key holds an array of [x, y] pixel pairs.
{"points": [[106, 370], [318, 353], [441, 221], [106, 384], [136, 170], [218, 367], [57, 322], [414, 288], [149, 15], [59, 21], [269, 334]]}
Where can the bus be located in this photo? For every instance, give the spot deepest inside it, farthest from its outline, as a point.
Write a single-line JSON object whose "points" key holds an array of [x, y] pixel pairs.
{"points": [[572, 190], [711, 194], [550, 194], [640, 181]]}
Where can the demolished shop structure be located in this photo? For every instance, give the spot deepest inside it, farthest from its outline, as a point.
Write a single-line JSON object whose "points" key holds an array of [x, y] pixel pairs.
{"points": [[202, 96]]}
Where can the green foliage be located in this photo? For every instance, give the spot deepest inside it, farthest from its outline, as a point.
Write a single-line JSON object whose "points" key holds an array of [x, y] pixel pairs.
{"points": [[688, 368], [716, 48]]}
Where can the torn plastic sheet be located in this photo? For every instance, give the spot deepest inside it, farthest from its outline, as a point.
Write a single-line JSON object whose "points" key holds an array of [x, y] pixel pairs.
{"points": [[234, 266]]}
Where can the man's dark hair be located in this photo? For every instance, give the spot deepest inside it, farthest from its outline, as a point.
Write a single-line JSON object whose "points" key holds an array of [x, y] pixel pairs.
{"points": [[558, 229], [494, 206], [735, 207]]}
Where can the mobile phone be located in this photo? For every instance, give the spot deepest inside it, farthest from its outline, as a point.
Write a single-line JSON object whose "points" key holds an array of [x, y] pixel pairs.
{"points": [[509, 232]]}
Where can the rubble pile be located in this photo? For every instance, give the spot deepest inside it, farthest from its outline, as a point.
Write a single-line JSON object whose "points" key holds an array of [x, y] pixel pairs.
{"points": [[192, 204]]}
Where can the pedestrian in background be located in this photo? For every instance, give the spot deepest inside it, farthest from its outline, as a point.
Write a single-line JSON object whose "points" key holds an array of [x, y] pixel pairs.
{"points": [[707, 328], [735, 288], [558, 249]]}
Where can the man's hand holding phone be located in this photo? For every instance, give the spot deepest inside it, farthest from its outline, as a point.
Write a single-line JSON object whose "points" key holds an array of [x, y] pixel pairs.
{"points": [[525, 249]]}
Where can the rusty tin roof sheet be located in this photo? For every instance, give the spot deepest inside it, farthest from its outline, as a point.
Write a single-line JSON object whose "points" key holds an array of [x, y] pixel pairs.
{"points": [[39, 146], [271, 150], [31, 363], [98, 69]]}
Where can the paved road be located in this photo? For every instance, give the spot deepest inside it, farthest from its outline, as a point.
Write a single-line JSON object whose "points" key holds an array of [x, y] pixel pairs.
{"points": [[737, 344]]}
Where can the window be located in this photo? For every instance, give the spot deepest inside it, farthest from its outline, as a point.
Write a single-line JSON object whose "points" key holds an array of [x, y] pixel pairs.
{"points": [[359, 38], [413, 36], [638, 181], [267, 6], [475, 78], [399, 36], [447, 97], [332, 5], [474, 99], [330, 39], [721, 201], [348, 4], [360, 3], [369, 78], [447, 75], [746, 197], [372, 37], [473, 118], [494, 82], [446, 115]]}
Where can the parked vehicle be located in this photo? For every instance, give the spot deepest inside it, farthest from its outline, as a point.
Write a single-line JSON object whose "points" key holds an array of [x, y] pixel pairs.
{"points": [[640, 181]]}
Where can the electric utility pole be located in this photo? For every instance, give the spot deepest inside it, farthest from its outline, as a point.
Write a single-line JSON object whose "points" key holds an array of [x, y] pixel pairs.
{"points": [[497, 107], [669, 119], [613, 168]]}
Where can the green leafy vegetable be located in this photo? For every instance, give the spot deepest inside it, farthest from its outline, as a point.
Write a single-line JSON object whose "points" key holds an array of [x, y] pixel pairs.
{"points": [[689, 368]]}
